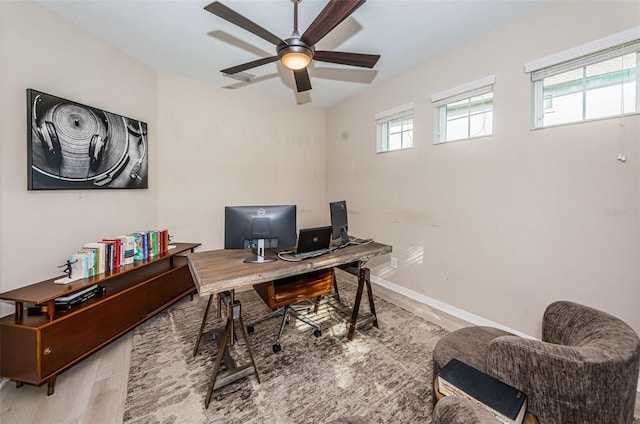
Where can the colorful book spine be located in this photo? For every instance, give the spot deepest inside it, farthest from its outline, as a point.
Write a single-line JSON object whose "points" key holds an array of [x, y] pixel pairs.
{"points": [[101, 255], [116, 245], [165, 240], [79, 265], [153, 251], [92, 254], [128, 249]]}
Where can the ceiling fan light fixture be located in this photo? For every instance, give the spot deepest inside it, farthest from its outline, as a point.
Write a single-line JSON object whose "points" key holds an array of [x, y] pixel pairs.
{"points": [[296, 60], [295, 55]]}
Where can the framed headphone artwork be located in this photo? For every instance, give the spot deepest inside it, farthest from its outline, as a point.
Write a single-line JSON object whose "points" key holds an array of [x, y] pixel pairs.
{"points": [[73, 146]]}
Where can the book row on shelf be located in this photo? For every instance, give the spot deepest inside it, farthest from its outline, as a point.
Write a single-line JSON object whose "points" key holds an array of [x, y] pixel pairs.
{"points": [[110, 254]]}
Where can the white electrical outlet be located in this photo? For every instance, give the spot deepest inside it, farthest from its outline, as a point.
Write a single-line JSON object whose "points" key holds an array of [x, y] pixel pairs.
{"points": [[394, 262]]}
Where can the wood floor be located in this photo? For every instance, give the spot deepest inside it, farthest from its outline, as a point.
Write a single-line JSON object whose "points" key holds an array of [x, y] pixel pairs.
{"points": [[94, 390]]}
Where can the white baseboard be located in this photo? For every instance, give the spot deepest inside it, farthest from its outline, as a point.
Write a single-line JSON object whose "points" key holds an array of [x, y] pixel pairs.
{"points": [[448, 309], [445, 307]]}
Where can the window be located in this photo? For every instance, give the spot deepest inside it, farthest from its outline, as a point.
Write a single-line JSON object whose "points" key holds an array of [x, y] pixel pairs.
{"points": [[582, 84], [465, 111], [394, 129]]}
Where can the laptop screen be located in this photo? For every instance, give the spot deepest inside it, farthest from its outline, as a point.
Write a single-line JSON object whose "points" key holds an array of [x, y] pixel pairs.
{"points": [[311, 239]]}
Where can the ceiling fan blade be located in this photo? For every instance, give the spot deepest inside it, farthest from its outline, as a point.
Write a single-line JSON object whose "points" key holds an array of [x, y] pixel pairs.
{"points": [[249, 65], [303, 83], [360, 76], [352, 59], [236, 42], [235, 18], [333, 13]]}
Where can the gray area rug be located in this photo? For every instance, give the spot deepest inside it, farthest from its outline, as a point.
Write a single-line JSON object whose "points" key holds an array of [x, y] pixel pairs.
{"points": [[384, 374]]}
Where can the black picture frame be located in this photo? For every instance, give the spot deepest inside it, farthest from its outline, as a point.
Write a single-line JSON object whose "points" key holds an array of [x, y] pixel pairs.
{"points": [[72, 146]]}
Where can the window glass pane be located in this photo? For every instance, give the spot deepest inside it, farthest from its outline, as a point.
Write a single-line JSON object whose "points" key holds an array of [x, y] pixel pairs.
{"points": [[602, 102], [481, 104], [395, 141], [481, 124], [407, 139], [395, 126], [457, 109], [457, 129], [564, 109], [564, 77]]}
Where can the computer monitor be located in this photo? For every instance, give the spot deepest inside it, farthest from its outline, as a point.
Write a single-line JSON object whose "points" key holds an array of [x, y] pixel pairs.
{"points": [[339, 223], [259, 227]]}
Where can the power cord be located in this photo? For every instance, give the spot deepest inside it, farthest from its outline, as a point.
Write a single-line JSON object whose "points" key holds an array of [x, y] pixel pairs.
{"points": [[286, 255]]}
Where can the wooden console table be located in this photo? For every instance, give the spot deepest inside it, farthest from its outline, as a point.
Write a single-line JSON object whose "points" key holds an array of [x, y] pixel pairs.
{"points": [[36, 348]]}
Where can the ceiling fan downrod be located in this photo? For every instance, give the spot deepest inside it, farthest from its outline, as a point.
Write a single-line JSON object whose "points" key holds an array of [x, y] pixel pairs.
{"points": [[295, 54], [295, 32]]}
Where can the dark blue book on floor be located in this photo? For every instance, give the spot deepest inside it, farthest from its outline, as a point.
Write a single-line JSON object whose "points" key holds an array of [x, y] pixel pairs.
{"points": [[507, 403]]}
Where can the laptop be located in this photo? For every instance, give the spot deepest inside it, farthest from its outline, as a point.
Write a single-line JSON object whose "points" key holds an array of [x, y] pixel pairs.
{"points": [[313, 242]]}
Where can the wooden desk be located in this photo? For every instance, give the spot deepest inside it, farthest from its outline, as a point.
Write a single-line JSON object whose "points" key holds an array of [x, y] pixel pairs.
{"points": [[218, 271], [221, 270]]}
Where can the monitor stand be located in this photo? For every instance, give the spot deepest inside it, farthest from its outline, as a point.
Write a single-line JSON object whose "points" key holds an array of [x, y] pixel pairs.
{"points": [[260, 257], [345, 236]]}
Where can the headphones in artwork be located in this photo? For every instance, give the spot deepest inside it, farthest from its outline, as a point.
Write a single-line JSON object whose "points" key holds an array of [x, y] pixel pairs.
{"points": [[98, 145], [46, 132], [140, 132], [48, 135]]}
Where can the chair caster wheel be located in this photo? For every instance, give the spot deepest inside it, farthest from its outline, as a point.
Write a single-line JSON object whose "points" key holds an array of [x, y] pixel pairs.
{"points": [[276, 348], [317, 333], [250, 329]]}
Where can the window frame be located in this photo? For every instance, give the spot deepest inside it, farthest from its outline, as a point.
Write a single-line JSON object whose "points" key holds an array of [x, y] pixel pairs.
{"points": [[442, 100], [581, 57], [383, 127]]}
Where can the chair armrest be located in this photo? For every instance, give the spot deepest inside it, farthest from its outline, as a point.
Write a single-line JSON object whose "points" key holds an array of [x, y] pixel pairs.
{"points": [[571, 324]]}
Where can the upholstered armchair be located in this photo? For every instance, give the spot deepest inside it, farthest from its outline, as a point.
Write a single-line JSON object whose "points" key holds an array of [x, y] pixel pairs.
{"points": [[584, 370]]}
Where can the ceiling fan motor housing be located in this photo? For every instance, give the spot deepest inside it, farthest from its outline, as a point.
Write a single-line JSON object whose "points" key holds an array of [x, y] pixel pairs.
{"points": [[295, 45]]}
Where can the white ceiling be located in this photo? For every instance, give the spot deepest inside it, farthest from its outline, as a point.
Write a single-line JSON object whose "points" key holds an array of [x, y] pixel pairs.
{"points": [[179, 37]]}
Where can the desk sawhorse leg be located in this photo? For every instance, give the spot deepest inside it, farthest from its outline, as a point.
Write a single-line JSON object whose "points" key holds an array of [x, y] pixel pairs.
{"points": [[364, 280], [234, 373]]}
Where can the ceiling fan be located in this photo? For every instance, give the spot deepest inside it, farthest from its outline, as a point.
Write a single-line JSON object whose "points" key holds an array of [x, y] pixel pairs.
{"points": [[296, 52]]}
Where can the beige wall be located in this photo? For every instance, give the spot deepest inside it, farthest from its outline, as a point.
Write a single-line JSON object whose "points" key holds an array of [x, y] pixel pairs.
{"points": [[38, 229], [232, 147], [206, 148], [499, 226]]}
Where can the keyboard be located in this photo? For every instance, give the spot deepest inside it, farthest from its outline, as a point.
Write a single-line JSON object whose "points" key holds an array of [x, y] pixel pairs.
{"points": [[312, 253]]}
